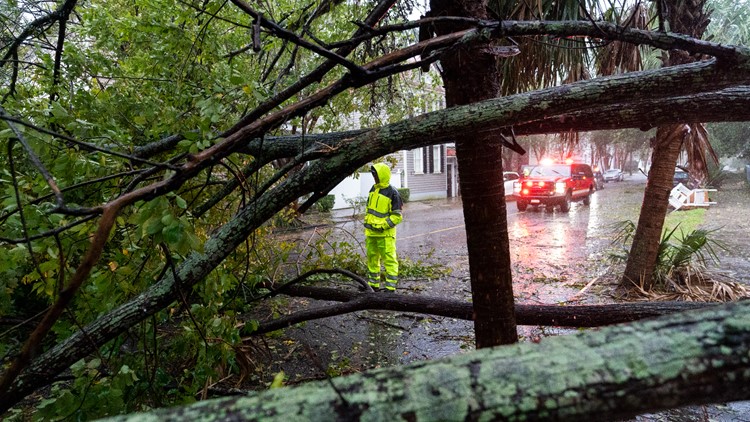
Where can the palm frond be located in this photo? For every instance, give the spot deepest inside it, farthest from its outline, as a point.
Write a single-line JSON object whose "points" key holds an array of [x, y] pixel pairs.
{"points": [[698, 149], [618, 57]]}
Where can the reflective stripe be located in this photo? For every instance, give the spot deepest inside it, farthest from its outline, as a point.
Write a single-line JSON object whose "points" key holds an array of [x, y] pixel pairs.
{"points": [[390, 223], [376, 213], [390, 286], [370, 226], [396, 212], [392, 277], [375, 285]]}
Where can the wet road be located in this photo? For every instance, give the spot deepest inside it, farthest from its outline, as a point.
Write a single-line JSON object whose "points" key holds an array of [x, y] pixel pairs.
{"points": [[553, 252]]}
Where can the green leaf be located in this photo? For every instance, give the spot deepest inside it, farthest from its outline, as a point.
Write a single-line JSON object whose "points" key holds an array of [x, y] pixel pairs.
{"points": [[180, 202], [152, 226], [172, 234], [278, 380], [58, 111], [191, 136]]}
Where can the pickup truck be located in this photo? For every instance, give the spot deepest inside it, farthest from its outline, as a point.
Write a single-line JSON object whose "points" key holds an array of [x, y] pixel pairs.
{"points": [[551, 184]]}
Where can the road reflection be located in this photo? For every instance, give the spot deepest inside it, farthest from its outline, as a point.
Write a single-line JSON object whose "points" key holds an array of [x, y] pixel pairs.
{"points": [[551, 237]]}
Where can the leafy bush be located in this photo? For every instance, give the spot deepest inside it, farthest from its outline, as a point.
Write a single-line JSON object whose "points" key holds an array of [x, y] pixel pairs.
{"points": [[421, 268], [405, 193], [681, 270], [677, 251], [325, 204]]}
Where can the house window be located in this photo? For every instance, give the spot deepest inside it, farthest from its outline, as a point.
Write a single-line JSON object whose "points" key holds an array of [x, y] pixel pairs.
{"points": [[437, 157], [428, 160], [418, 160]]}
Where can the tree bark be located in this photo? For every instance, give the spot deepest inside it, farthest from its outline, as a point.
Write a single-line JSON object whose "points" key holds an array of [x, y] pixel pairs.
{"points": [[547, 315], [644, 251], [696, 357], [471, 75], [684, 17]]}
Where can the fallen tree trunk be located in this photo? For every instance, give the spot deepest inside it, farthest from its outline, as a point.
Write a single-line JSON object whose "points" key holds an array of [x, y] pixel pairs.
{"points": [[697, 357], [548, 315]]}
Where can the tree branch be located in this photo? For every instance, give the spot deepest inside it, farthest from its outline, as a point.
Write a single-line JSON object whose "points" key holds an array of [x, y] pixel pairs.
{"points": [[377, 13], [36, 26], [88, 146], [61, 208], [546, 315], [293, 38], [615, 373]]}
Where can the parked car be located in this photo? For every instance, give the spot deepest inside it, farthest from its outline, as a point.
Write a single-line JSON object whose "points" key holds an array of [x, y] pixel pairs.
{"points": [[551, 184], [613, 175], [509, 177], [599, 178], [680, 176]]}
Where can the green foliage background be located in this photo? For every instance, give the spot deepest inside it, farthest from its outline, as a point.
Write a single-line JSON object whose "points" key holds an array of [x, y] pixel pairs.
{"points": [[132, 73]]}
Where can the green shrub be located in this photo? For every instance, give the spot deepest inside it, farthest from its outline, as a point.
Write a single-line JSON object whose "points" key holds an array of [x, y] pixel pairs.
{"points": [[325, 204], [680, 253], [404, 192]]}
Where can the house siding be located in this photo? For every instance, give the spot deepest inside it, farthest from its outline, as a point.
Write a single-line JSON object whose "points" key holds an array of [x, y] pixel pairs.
{"points": [[424, 186]]}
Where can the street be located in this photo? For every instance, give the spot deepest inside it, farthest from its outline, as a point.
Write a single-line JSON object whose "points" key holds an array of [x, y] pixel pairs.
{"points": [[545, 245]]}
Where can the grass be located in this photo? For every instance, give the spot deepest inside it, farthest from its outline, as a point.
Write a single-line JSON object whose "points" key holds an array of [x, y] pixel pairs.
{"points": [[687, 220]]}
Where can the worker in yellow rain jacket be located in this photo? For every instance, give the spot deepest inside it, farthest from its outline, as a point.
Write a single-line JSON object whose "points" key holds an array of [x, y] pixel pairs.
{"points": [[383, 214]]}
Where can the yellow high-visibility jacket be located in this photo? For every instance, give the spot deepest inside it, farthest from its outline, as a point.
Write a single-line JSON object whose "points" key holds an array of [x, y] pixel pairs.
{"points": [[383, 205]]}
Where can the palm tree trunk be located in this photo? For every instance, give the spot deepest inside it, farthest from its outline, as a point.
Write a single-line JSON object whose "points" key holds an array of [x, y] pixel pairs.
{"points": [[470, 75], [685, 17], [643, 253]]}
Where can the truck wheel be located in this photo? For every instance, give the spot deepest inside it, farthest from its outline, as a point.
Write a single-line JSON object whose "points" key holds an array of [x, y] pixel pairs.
{"points": [[565, 204], [521, 205], [587, 198]]}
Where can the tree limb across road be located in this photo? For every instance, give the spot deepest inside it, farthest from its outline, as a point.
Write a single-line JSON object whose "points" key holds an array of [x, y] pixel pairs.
{"points": [[547, 315], [696, 357]]}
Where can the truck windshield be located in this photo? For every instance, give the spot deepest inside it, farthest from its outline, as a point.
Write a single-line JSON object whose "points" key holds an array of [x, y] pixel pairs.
{"points": [[550, 170]]}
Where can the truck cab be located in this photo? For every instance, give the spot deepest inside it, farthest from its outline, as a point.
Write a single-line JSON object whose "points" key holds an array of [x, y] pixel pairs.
{"points": [[549, 184]]}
